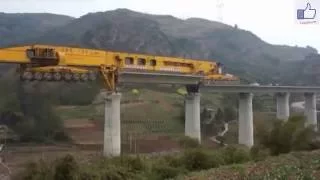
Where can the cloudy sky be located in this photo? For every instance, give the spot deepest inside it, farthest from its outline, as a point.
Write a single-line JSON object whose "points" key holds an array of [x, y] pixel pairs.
{"points": [[272, 20]]}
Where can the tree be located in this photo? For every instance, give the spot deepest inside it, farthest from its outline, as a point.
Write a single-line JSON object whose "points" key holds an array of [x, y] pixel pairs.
{"points": [[229, 114], [207, 125], [257, 104], [229, 100], [28, 111], [219, 117], [205, 116], [285, 136], [66, 168]]}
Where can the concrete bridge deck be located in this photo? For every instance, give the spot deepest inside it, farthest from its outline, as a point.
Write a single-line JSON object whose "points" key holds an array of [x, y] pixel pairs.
{"points": [[260, 89]]}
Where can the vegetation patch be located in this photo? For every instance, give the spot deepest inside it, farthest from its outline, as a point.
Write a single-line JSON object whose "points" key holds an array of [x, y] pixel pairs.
{"points": [[287, 166], [135, 167]]}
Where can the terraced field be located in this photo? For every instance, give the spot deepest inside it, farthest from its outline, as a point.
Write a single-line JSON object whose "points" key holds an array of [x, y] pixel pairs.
{"points": [[149, 113]]}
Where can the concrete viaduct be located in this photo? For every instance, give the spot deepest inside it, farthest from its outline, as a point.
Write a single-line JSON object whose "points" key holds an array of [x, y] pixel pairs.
{"points": [[112, 129]]}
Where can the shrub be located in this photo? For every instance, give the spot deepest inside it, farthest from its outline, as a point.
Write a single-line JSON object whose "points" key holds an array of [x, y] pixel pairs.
{"points": [[89, 174], [284, 172], [168, 166], [120, 167], [215, 159], [240, 169], [222, 139], [115, 173], [235, 154], [171, 160], [66, 168], [61, 136], [259, 153], [37, 171], [196, 159], [285, 136], [188, 142], [115, 169], [305, 139], [132, 164], [163, 171]]}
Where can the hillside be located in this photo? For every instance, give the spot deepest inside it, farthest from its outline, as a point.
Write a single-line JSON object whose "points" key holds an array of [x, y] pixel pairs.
{"points": [[243, 53], [18, 27]]}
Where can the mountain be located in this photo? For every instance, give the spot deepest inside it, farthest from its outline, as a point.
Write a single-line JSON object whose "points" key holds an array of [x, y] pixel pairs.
{"points": [[242, 52], [18, 27]]}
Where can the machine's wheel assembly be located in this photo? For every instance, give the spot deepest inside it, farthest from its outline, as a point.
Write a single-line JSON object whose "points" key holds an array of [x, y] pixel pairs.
{"points": [[57, 76], [38, 76], [84, 77], [27, 76], [67, 76], [48, 76], [76, 76]]}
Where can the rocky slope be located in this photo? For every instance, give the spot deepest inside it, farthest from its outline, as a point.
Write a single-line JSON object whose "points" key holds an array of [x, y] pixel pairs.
{"points": [[15, 28]]}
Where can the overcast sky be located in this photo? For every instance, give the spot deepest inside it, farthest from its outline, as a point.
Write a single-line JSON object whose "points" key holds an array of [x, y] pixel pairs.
{"points": [[272, 20]]}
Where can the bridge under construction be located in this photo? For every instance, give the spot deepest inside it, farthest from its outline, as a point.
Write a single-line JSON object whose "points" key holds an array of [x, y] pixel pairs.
{"points": [[71, 64]]}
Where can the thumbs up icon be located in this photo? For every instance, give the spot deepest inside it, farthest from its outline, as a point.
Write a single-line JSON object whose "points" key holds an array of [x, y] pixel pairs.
{"points": [[306, 13]]}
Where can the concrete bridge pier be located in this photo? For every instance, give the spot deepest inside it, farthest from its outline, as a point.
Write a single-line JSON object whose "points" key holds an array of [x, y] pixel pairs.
{"points": [[310, 109], [112, 130], [245, 119], [283, 111], [192, 116]]}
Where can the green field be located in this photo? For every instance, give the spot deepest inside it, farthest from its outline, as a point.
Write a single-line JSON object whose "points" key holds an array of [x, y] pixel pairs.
{"points": [[150, 110]]}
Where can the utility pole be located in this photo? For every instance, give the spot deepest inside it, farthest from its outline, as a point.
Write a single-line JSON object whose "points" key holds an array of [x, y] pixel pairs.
{"points": [[220, 6]]}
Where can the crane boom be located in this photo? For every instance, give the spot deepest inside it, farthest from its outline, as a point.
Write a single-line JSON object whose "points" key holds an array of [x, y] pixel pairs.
{"points": [[56, 63]]}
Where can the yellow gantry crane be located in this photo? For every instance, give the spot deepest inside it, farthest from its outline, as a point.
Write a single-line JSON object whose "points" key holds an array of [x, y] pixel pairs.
{"points": [[61, 63]]}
